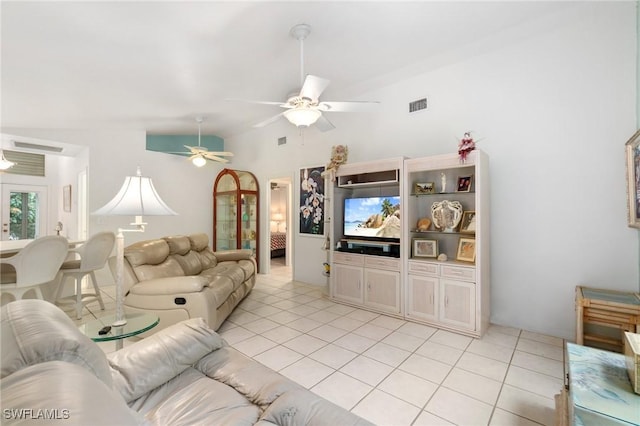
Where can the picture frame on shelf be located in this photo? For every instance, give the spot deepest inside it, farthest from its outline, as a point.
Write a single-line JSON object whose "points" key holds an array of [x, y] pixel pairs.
{"points": [[466, 249], [464, 184], [423, 247], [633, 179], [425, 188], [468, 222]]}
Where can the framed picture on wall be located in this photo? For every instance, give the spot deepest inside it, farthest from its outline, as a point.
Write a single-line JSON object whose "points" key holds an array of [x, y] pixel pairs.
{"points": [[66, 198], [633, 179], [312, 201]]}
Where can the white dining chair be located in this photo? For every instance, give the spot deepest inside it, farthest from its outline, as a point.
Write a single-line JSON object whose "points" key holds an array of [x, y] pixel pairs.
{"points": [[36, 264], [94, 254]]}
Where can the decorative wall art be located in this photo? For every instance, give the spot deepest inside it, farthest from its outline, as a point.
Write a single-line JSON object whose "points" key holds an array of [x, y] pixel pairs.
{"points": [[425, 248], [633, 179], [312, 201], [66, 198]]}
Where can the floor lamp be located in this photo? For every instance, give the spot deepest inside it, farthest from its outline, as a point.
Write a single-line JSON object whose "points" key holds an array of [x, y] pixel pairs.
{"points": [[138, 198]]}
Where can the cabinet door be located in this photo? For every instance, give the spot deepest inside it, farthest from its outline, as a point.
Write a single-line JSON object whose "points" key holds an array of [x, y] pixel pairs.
{"points": [[458, 303], [348, 282], [382, 289], [422, 297]]}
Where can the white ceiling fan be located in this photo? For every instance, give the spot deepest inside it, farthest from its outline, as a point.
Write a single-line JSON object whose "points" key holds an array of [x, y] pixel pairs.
{"points": [[200, 154], [305, 108]]}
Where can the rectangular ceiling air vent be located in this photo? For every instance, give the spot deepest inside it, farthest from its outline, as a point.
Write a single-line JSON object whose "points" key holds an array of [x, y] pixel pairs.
{"points": [[37, 147], [282, 140], [418, 105]]}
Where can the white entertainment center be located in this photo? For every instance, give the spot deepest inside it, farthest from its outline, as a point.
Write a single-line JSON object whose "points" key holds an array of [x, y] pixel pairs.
{"points": [[407, 276]]}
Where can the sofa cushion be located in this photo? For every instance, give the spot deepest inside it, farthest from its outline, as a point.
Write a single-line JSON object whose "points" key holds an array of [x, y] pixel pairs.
{"points": [[230, 270], [178, 244], [35, 331], [139, 368], [199, 241], [258, 383], [302, 407], [150, 252], [171, 285], [65, 392], [189, 262], [201, 402]]}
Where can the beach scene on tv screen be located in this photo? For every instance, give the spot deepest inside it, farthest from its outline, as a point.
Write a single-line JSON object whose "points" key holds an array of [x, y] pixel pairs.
{"points": [[372, 217]]}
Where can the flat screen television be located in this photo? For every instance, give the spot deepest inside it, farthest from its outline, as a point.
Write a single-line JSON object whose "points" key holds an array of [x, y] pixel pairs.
{"points": [[372, 218]]}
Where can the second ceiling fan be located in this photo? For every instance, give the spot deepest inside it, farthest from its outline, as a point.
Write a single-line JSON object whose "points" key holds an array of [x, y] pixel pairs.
{"points": [[305, 108]]}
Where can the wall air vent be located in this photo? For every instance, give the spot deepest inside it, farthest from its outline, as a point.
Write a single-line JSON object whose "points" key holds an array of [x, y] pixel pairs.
{"points": [[418, 105], [37, 147], [282, 140]]}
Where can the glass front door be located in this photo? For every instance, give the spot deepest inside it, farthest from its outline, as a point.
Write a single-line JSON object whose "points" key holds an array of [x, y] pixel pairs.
{"points": [[24, 210]]}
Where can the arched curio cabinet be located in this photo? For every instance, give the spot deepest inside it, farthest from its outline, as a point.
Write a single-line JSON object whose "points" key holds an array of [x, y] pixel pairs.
{"points": [[236, 211]]}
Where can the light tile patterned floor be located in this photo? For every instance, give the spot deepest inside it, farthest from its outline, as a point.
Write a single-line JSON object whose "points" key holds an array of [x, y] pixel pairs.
{"points": [[390, 371]]}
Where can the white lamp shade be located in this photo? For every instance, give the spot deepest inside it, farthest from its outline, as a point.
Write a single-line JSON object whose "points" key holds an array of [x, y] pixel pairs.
{"points": [[278, 217], [302, 117], [137, 197]]}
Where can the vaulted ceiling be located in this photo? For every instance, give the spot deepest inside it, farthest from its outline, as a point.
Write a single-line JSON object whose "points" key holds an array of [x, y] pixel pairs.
{"points": [[155, 66]]}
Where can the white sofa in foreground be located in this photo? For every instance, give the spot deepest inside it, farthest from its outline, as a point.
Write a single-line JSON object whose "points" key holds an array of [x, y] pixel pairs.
{"points": [[183, 375]]}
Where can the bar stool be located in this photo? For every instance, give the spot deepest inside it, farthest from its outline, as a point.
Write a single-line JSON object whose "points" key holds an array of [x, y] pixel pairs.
{"points": [[93, 256]]}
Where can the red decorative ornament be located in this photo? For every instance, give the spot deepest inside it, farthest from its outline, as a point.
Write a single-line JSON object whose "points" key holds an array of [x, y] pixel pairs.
{"points": [[466, 145]]}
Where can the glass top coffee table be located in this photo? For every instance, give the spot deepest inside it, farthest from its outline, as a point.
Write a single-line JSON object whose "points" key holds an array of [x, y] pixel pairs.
{"points": [[137, 323]]}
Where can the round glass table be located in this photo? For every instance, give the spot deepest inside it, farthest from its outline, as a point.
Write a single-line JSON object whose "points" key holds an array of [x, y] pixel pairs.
{"points": [[137, 323]]}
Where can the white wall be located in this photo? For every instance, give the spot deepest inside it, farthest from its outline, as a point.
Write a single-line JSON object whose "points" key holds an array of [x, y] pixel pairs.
{"points": [[552, 108]]}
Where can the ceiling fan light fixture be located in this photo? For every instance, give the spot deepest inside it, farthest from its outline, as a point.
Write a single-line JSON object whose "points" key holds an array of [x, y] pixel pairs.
{"points": [[199, 161], [302, 117]]}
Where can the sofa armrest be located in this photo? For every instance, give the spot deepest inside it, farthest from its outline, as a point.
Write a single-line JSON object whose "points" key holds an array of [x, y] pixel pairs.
{"points": [[231, 255], [151, 362], [170, 285]]}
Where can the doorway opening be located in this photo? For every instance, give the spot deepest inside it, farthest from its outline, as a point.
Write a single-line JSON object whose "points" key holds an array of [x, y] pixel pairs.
{"points": [[280, 227]]}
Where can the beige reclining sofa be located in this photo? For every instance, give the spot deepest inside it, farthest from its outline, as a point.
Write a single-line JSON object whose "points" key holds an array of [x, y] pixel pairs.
{"points": [[179, 278], [183, 375]]}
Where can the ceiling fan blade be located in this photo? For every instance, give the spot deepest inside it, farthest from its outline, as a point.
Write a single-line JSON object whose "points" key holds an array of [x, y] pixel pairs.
{"points": [[269, 120], [323, 124], [215, 158], [196, 149], [280, 104], [313, 87], [348, 106], [220, 153]]}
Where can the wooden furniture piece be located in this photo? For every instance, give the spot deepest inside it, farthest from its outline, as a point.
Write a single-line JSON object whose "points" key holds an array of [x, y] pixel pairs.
{"points": [[600, 392], [389, 276], [609, 312], [236, 211], [365, 272], [452, 293]]}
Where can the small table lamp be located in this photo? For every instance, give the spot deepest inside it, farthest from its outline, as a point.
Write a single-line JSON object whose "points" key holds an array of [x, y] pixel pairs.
{"points": [[277, 218], [138, 198]]}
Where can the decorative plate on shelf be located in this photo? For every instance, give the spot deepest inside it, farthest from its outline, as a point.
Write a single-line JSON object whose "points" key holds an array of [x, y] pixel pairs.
{"points": [[446, 215]]}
